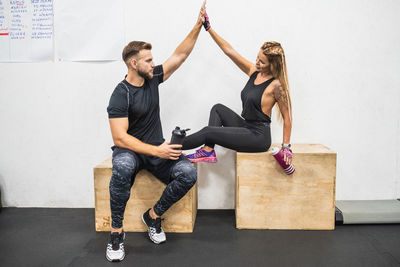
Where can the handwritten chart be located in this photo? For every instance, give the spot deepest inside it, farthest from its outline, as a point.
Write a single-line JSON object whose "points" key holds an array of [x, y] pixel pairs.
{"points": [[26, 30]]}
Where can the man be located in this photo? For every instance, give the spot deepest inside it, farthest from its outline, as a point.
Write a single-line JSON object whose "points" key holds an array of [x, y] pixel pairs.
{"points": [[136, 130]]}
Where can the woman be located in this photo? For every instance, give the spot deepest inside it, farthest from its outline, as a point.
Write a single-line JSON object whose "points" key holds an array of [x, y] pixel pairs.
{"points": [[267, 85]]}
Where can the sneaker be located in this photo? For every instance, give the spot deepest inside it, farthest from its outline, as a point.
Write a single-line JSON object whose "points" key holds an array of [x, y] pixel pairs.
{"points": [[156, 233], [115, 248], [203, 156]]}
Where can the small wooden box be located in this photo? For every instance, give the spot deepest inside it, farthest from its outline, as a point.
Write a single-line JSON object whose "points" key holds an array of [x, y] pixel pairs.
{"points": [[145, 192], [267, 198]]}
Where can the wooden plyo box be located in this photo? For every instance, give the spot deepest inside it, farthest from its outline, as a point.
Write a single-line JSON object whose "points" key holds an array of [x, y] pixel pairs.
{"points": [[267, 198], [145, 192]]}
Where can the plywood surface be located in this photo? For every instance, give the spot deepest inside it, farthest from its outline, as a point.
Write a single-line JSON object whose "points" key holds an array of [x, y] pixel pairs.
{"points": [[267, 198], [144, 194]]}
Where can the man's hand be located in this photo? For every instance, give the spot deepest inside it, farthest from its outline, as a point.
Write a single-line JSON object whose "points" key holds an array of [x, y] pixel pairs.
{"points": [[168, 151], [201, 19]]}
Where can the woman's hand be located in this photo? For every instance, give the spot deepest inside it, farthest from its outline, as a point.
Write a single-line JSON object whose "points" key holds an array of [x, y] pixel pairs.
{"points": [[287, 155], [206, 22]]}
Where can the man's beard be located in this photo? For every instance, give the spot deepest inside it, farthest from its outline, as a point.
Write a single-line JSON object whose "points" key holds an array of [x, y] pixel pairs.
{"points": [[145, 75]]}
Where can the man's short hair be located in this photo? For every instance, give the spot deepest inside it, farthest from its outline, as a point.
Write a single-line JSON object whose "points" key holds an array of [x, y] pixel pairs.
{"points": [[133, 48]]}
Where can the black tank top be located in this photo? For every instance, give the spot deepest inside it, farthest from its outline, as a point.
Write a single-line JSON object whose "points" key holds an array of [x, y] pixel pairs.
{"points": [[251, 100]]}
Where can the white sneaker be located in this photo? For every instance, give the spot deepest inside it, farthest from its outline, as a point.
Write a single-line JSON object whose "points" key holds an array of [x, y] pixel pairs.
{"points": [[115, 248], [156, 233]]}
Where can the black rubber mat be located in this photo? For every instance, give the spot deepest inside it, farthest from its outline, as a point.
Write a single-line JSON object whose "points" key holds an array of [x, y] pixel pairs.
{"points": [[66, 237]]}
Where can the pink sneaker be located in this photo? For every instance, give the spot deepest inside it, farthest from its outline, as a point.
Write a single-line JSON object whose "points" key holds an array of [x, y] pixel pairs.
{"points": [[203, 156]]}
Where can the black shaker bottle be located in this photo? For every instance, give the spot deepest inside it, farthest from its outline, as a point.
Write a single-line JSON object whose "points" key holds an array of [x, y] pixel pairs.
{"points": [[178, 135]]}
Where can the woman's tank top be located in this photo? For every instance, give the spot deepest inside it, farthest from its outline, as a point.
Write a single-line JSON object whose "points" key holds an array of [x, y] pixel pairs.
{"points": [[251, 100]]}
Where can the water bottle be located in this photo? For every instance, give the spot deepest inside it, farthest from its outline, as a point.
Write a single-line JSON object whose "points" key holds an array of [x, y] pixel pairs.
{"points": [[278, 155], [178, 135]]}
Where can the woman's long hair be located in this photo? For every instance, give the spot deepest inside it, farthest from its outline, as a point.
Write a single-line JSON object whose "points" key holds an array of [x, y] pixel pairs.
{"points": [[276, 57]]}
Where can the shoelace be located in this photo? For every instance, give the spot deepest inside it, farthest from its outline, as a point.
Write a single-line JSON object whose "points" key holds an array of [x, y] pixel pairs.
{"points": [[157, 225], [115, 240], [200, 153]]}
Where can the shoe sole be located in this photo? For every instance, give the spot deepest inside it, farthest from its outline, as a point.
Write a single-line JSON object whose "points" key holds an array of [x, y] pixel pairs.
{"points": [[148, 233], [115, 260], [207, 160]]}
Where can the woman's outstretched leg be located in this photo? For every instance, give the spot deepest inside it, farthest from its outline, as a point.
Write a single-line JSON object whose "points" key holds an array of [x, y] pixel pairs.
{"points": [[237, 138], [220, 116]]}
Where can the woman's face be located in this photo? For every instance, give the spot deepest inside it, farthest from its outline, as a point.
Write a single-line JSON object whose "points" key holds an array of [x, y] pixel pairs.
{"points": [[262, 63]]}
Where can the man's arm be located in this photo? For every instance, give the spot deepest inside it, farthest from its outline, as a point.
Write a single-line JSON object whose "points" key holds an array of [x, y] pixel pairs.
{"points": [[119, 127], [184, 49]]}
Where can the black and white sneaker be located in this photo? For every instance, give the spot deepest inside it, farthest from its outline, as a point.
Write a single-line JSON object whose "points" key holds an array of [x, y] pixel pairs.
{"points": [[115, 248], [156, 233]]}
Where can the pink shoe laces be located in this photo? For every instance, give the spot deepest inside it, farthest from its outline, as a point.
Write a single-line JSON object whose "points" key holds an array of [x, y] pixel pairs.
{"points": [[200, 153]]}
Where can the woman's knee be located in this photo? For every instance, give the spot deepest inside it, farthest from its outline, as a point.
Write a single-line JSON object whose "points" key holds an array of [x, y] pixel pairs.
{"points": [[216, 108], [206, 129]]}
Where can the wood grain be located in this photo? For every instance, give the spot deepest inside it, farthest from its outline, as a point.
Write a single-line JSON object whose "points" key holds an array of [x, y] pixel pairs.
{"points": [[267, 198], [145, 192]]}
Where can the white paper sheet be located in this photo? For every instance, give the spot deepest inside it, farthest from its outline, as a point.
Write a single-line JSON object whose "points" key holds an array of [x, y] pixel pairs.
{"points": [[26, 30], [89, 30]]}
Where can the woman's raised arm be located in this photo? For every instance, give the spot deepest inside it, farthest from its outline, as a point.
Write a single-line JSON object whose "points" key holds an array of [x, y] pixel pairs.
{"points": [[245, 65]]}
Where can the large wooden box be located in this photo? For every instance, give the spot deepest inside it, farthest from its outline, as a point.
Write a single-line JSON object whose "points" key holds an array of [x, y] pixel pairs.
{"points": [[267, 198], [145, 192]]}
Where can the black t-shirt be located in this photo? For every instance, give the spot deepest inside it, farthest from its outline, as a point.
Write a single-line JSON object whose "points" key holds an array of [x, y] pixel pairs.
{"points": [[141, 106]]}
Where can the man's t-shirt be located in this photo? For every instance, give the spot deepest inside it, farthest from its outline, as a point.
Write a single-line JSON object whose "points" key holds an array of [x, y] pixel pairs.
{"points": [[141, 106]]}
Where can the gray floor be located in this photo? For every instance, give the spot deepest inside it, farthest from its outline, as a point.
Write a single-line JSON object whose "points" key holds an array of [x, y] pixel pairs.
{"points": [[66, 237]]}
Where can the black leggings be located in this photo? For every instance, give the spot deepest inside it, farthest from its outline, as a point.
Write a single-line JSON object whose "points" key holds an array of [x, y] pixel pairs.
{"points": [[236, 133]]}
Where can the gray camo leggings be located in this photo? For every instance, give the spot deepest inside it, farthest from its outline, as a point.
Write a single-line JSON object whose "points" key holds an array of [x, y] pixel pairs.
{"points": [[179, 175]]}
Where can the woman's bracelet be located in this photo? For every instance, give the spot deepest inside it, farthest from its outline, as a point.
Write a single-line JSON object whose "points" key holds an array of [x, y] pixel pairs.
{"points": [[206, 22], [288, 146]]}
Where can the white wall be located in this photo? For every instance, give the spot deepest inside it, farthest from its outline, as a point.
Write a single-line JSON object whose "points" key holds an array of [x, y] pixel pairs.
{"points": [[342, 56]]}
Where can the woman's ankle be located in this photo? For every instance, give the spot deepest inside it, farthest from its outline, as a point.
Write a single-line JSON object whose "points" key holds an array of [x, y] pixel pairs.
{"points": [[207, 148]]}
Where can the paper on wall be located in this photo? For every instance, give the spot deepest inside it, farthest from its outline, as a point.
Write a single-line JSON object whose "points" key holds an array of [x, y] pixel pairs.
{"points": [[26, 30]]}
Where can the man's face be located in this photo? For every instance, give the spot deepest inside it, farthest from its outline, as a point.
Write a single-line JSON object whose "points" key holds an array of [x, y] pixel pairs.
{"points": [[144, 64]]}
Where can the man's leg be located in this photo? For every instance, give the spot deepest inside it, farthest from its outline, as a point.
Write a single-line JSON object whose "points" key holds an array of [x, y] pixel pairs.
{"points": [[183, 176], [180, 176], [125, 167]]}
